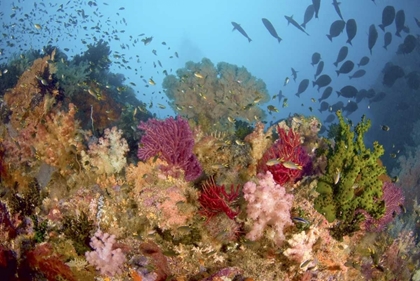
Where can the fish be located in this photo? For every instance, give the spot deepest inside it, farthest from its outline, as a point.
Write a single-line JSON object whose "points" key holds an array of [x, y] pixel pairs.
{"points": [[147, 40], [151, 82], [359, 73], [345, 68], [322, 81], [294, 23], [273, 162], [272, 108], [323, 106], [399, 22], [351, 30], [309, 14], [198, 75], [417, 21], [271, 29], [303, 85], [378, 97], [326, 94], [387, 39], [337, 176], [238, 27], [294, 74], [336, 28], [291, 165], [409, 44], [373, 36], [316, 57], [388, 16], [317, 6], [385, 128], [37, 26], [319, 69], [342, 54], [413, 80], [348, 92], [329, 118], [391, 74], [286, 81], [337, 8], [363, 61], [301, 220], [350, 107]]}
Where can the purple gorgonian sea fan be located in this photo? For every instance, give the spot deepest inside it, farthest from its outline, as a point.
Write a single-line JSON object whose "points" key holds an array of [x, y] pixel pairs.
{"points": [[172, 140]]}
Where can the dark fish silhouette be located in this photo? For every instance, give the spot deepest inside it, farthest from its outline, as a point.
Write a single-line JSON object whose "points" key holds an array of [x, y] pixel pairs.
{"points": [[388, 16], [408, 45], [336, 28], [399, 22], [317, 5], [351, 29], [241, 30], [359, 73], [363, 61], [361, 95], [293, 22], [417, 22], [370, 93], [323, 106], [350, 107], [387, 39], [294, 74], [330, 118], [378, 97], [373, 36], [392, 73], [271, 29], [336, 106], [309, 14], [326, 94], [316, 57], [337, 8], [342, 54], [322, 81], [319, 69], [348, 92], [303, 85], [345, 68]]}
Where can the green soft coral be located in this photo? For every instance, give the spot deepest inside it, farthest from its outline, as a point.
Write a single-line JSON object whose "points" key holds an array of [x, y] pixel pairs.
{"points": [[358, 187]]}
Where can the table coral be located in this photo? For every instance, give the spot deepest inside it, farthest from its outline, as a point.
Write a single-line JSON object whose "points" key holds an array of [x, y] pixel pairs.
{"points": [[351, 180]]}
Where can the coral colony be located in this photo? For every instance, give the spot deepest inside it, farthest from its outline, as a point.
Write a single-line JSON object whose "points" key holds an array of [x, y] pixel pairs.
{"points": [[99, 190]]}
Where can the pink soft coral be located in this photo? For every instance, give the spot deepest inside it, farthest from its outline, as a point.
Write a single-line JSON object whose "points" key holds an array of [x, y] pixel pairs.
{"points": [[268, 206]]}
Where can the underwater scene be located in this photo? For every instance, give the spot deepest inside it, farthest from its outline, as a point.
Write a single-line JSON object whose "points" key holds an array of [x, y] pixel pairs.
{"points": [[210, 140]]}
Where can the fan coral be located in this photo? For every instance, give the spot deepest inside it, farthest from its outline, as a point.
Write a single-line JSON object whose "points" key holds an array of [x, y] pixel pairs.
{"points": [[106, 259], [214, 199], [108, 154], [268, 205], [209, 94], [173, 141], [287, 148]]}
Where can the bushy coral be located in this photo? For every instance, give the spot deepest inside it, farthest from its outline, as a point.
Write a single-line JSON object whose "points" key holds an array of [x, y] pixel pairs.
{"points": [[351, 181], [286, 149], [107, 155], [172, 140], [105, 257], [268, 208], [301, 245], [210, 94]]}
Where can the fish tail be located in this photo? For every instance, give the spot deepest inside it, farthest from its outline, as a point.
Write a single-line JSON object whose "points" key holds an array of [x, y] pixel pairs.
{"points": [[385, 47], [249, 39], [349, 41], [303, 25], [338, 73], [336, 64], [279, 39], [313, 83], [382, 27], [329, 37]]}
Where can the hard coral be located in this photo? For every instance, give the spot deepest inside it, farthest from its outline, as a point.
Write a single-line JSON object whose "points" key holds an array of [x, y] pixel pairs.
{"points": [[287, 148], [173, 141], [214, 199]]}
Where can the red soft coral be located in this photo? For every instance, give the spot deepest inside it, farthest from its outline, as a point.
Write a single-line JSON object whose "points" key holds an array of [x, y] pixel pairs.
{"points": [[287, 148], [214, 199]]}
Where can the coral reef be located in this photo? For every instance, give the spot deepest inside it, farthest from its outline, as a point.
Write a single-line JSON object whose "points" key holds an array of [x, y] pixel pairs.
{"points": [[172, 140], [351, 181], [212, 95], [268, 208]]}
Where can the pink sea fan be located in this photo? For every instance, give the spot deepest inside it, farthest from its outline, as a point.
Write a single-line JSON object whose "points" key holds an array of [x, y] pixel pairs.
{"points": [[173, 141], [268, 206], [393, 197]]}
